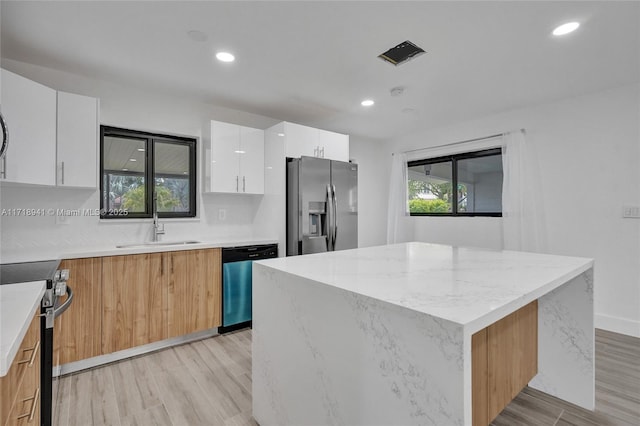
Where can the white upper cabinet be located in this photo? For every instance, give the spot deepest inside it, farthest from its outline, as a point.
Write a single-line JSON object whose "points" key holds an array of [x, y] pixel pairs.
{"points": [[29, 109], [224, 159], [308, 141], [334, 146], [236, 159], [77, 162], [300, 140], [252, 160]]}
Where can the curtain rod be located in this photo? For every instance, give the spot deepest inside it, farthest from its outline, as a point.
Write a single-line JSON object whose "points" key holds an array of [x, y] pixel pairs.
{"points": [[466, 141]]}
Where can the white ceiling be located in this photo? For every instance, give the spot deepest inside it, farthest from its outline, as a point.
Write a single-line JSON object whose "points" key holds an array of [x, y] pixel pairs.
{"points": [[313, 62]]}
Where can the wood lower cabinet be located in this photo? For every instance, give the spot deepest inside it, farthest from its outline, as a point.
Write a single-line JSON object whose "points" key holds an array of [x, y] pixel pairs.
{"points": [[20, 388], [194, 291], [504, 358], [77, 333], [121, 302], [134, 300]]}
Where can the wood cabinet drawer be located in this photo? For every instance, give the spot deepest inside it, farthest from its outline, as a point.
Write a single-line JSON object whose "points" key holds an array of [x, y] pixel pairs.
{"points": [[23, 377], [26, 410]]}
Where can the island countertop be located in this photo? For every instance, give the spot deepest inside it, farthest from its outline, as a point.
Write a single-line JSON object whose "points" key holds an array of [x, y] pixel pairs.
{"points": [[472, 287], [404, 334]]}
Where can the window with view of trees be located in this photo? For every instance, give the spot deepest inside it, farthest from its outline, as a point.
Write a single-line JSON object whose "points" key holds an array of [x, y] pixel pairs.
{"points": [[135, 164], [468, 184]]}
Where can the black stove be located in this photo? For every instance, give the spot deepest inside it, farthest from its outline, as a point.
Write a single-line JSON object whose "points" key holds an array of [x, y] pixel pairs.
{"points": [[12, 273]]}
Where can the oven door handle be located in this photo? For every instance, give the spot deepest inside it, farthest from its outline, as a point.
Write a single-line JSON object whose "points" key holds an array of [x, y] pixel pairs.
{"points": [[60, 309]]}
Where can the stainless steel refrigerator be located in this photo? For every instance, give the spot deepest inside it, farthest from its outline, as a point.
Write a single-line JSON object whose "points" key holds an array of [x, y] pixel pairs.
{"points": [[322, 205]]}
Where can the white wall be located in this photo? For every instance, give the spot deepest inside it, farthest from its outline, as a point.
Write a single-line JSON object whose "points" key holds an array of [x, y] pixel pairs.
{"points": [[373, 187], [130, 108], [271, 218], [589, 154]]}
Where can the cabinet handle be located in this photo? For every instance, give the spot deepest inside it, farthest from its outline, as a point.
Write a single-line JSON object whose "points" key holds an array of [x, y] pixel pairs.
{"points": [[34, 403], [63, 172], [32, 358], [162, 264], [321, 152], [172, 265], [315, 151], [244, 186], [237, 178]]}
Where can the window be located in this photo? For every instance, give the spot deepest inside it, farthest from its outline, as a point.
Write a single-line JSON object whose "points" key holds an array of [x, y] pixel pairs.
{"points": [[476, 177], [135, 164]]}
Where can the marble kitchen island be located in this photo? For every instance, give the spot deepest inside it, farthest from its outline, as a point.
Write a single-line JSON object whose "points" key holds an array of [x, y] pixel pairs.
{"points": [[384, 335]]}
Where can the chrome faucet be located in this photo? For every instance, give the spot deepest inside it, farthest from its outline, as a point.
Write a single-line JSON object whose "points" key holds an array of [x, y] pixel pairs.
{"points": [[158, 229]]}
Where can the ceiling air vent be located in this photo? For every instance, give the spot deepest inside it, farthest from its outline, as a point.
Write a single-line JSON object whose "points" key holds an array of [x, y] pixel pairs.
{"points": [[401, 53]]}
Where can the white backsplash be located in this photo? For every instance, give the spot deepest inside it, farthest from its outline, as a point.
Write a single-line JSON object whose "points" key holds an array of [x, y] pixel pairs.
{"points": [[44, 235]]}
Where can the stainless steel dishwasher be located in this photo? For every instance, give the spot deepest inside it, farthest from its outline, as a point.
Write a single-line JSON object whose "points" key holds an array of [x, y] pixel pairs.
{"points": [[236, 283]]}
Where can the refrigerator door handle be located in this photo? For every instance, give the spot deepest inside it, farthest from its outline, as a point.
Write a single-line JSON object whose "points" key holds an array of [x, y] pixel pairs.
{"points": [[330, 219], [335, 217]]}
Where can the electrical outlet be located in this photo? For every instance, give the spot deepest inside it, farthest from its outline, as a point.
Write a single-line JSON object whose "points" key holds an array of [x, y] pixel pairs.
{"points": [[222, 214], [631, 211]]}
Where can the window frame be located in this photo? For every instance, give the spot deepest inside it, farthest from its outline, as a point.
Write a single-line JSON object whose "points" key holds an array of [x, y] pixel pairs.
{"points": [[454, 158], [149, 173]]}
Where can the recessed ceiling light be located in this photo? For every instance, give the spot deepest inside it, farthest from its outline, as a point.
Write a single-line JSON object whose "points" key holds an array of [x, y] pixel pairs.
{"points": [[141, 149], [125, 170], [367, 102], [239, 152], [185, 173], [566, 28], [132, 159], [225, 57], [281, 134]]}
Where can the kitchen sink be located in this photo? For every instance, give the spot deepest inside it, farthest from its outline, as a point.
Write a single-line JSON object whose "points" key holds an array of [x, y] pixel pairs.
{"points": [[159, 244]]}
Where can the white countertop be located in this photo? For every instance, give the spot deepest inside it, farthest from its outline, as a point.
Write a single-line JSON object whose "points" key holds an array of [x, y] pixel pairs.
{"points": [[468, 286], [18, 303], [110, 249]]}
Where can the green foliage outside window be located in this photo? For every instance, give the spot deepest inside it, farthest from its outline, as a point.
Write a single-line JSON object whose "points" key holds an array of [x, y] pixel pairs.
{"points": [[443, 193], [429, 206], [134, 199]]}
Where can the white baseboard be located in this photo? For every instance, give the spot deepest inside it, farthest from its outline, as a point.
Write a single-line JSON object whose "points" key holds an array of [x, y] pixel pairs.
{"points": [[617, 325]]}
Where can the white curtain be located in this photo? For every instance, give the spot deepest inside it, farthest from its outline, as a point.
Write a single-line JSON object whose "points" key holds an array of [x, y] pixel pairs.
{"points": [[522, 210], [399, 226]]}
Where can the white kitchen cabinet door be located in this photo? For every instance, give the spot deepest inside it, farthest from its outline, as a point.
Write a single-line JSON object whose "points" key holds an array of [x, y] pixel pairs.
{"points": [[29, 109], [334, 146], [77, 141], [225, 161], [300, 140], [252, 160]]}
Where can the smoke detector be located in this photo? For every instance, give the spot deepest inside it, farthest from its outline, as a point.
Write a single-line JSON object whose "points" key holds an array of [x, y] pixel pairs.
{"points": [[397, 91], [401, 53]]}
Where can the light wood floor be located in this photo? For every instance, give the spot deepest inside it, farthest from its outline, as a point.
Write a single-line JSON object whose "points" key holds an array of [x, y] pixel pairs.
{"points": [[209, 383]]}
